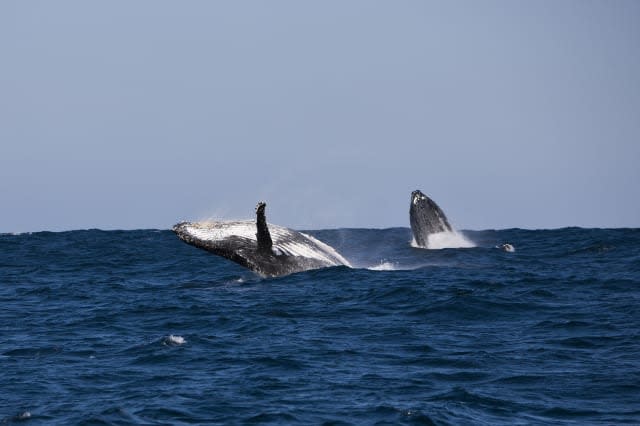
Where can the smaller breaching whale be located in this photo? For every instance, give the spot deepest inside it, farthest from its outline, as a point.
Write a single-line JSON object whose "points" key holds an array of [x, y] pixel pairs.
{"points": [[270, 250], [509, 248], [426, 218]]}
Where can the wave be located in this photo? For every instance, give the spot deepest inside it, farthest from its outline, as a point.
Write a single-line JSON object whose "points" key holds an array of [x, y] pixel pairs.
{"points": [[436, 335]]}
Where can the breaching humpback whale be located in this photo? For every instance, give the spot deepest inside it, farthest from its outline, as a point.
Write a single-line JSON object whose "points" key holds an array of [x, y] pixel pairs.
{"points": [[426, 218], [267, 249]]}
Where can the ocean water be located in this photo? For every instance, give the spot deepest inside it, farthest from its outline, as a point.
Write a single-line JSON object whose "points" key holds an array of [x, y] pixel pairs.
{"points": [[136, 327]]}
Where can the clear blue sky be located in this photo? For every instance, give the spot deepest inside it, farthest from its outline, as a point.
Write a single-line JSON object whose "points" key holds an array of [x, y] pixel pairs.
{"points": [[137, 114]]}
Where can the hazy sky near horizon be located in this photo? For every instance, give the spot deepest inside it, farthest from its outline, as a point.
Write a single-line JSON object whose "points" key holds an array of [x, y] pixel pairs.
{"points": [[139, 114]]}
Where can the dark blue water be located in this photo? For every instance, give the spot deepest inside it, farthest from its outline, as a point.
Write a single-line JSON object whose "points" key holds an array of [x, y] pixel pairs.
{"points": [[136, 327]]}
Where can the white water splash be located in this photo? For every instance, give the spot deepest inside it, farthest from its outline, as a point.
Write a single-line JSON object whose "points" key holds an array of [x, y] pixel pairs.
{"points": [[441, 240], [23, 416], [172, 340], [384, 266]]}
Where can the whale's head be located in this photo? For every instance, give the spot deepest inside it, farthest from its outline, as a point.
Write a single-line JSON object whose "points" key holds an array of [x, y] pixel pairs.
{"points": [[426, 218], [417, 197]]}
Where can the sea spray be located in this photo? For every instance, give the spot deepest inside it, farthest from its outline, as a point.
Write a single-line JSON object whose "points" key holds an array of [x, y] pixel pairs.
{"points": [[384, 266], [441, 240]]}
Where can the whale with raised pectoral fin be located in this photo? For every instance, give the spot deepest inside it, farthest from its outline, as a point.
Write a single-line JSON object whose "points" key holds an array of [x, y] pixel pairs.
{"points": [[270, 250]]}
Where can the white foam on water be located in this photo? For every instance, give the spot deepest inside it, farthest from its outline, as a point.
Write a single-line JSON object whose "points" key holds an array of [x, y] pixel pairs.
{"points": [[174, 340], [441, 240], [23, 416], [384, 266]]}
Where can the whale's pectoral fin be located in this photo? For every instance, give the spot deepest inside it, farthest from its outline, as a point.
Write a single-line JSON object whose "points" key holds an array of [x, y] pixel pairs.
{"points": [[263, 236]]}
